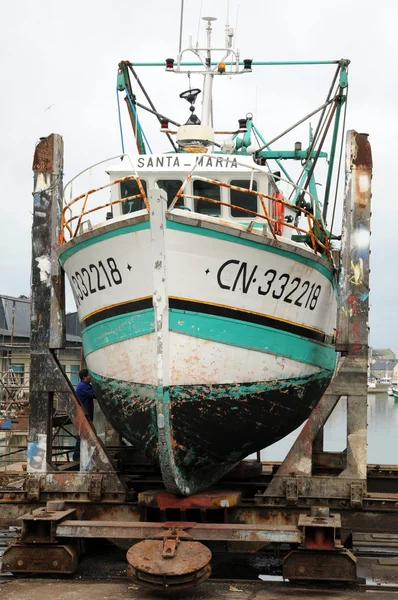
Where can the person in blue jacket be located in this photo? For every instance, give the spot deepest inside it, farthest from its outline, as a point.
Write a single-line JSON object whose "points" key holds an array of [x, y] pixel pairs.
{"points": [[85, 393]]}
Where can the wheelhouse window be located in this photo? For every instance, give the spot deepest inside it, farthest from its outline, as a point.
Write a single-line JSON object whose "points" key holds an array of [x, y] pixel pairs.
{"points": [[209, 190], [243, 199], [130, 188], [171, 187]]}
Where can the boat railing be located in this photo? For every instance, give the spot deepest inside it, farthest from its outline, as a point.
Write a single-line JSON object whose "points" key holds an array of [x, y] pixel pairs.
{"points": [[72, 223], [67, 220], [275, 224], [272, 207]]}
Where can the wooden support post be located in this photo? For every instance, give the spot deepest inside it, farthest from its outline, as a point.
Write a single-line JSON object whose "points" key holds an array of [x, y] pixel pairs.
{"points": [[352, 323], [295, 476], [47, 297], [47, 335]]}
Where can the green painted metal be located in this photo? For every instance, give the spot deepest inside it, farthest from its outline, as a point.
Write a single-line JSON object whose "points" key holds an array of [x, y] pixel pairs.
{"points": [[343, 74], [282, 168], [117, 329], [310, 261], [252, 337], [132, 108], [290, 154], [120, 83]]}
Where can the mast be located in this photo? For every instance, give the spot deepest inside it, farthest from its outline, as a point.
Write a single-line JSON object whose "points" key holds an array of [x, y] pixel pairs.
{"points": [[207, 102]]}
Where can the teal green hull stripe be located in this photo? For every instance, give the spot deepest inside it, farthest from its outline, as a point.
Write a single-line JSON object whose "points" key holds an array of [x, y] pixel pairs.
{"points": [[208, 327], [117, 329], [103, 236], [252, 336], [252, 244]]}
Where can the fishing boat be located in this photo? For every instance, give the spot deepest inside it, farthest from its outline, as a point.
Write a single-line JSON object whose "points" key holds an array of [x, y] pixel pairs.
{"points": [[206, 287]]}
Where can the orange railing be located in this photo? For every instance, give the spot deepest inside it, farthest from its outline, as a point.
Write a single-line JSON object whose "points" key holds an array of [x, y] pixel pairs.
{"points": [[71, 224], [273, 223], [66, 222]]}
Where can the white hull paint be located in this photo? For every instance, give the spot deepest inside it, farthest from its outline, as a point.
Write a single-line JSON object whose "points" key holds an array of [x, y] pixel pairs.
{"points": [[204, 269], [193, 361]]}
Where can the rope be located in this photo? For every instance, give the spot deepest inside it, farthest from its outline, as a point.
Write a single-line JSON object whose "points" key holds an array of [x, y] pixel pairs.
{"points": [[120, 120], [137, 120]]}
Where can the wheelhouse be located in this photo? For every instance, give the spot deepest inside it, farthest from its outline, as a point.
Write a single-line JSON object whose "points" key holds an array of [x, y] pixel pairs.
{"points": [[209, 185]]}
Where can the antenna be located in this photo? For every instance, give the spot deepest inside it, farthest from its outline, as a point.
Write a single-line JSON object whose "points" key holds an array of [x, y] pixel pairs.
{"points": [[181, 22], [236, 23], [229, 32], [200, 16], [208, 29]]}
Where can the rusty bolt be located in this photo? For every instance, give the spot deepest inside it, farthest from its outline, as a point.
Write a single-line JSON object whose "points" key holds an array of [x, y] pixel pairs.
{"points": [[19, 563], [55, 563]]}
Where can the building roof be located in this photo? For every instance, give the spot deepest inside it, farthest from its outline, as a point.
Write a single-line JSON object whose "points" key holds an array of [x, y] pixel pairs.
{"points": [[15, 320], [14, 316], [380, 364], [382, 351]]}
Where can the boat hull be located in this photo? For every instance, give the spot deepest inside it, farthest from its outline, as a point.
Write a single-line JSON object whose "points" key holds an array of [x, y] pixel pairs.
{"points": [[205, 342], [211, 427]]}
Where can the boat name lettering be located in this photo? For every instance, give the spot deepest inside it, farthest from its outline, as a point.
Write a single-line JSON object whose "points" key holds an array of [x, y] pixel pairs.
{"points": [[177, 161], [95, 278], [235, 275]]}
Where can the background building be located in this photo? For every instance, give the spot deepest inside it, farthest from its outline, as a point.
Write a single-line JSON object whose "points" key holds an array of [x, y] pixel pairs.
{"points": [[382, 363], [15, 349]]}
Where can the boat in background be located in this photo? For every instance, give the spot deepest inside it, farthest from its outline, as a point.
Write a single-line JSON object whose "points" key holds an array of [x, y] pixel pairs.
{"points": [[206, 289]]}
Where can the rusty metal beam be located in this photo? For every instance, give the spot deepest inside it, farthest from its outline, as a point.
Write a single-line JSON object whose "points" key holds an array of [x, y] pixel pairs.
{"points": [[198, 531]]}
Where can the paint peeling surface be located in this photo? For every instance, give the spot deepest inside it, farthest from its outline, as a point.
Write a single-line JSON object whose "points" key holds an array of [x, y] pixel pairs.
{"points": [[212, 427], [36, 454], [44, 266], [204, 344]]}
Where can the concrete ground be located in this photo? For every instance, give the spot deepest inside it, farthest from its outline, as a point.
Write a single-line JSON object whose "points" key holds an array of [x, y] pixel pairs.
{"points": [[73, 589]]}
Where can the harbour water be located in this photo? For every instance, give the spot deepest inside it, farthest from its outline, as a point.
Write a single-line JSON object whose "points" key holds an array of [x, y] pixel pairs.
{"points": [[382, 432]]}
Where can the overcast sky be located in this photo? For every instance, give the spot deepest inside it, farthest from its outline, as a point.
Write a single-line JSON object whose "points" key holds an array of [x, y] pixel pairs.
{"points": [[58, 74]]}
